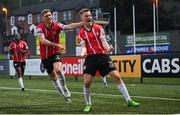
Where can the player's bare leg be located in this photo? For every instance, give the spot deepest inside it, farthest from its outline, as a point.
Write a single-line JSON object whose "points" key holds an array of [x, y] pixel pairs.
{"points": [[122, 88], [87, 93], [61, 77], [19, 77]]}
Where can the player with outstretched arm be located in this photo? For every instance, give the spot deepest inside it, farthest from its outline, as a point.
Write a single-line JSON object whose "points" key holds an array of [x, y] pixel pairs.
{"points": [[50, 50]]}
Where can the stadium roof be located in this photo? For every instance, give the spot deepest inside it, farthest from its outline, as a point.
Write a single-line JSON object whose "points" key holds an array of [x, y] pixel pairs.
{"points": [[59, 5]]}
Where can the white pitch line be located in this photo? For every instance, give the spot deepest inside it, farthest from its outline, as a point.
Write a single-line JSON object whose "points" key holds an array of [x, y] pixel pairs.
{"points": [[107, 95]]}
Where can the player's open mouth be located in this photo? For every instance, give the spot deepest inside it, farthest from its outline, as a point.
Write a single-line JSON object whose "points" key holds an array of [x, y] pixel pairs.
{"points": [[89, 20], [49, 21]]}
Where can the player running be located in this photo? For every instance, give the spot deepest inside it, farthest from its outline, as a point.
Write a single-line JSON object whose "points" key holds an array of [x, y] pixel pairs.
{"points": [[93, 42], [18, 50], [50, 50]]}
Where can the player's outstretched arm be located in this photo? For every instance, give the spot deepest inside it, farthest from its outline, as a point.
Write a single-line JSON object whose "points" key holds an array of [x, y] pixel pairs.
{"points": [[73, 25]]}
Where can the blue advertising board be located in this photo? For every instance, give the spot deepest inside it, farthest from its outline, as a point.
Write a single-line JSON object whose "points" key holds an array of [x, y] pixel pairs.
{"points": [[4, 67], [148, 49]]}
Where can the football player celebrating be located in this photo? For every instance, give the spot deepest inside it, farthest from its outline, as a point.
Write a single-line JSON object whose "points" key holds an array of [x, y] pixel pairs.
{"points": [[93, 42], [50, 50]]}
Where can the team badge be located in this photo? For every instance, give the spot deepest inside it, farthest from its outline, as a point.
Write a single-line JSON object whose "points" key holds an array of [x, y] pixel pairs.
{"points": [[54, 33], [97, 33]]}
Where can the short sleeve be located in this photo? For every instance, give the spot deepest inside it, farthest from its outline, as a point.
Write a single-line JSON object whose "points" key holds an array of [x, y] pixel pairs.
{"points": [[61, 26], [39, 30], [102, 33], [10, 46], [26, 46]]}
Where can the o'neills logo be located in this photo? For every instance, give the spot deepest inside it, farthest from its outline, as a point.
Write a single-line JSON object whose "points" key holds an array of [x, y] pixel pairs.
{"points": [[72, 67], [42, 69]]}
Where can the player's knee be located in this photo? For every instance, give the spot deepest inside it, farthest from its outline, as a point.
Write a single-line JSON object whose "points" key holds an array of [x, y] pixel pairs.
{"points": [[53, 75], [117, 79], [19, 73], [53, 78], [58, 71], [87, 84]]}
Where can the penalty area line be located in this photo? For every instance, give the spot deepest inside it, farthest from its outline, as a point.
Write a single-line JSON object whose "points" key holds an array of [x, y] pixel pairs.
{"points": [[107, 95]]}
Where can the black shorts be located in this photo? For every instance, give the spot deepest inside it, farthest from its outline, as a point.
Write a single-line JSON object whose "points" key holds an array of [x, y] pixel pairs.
{"points": [[98, 62], [20, 64], [48, 63]]}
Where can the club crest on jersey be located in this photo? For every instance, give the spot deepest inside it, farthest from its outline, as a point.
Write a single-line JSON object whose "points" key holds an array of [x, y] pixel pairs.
{"points": [[54, 33], [97, 33], [91, 35]]}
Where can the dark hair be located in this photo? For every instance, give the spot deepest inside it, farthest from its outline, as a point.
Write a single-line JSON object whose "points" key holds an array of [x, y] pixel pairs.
{"points": [[45, 11], [84, 10]]}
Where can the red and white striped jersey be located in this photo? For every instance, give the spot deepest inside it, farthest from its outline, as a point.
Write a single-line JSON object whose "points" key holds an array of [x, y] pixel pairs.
{"points": [[16, 47], [92, 39], [53, 36]]}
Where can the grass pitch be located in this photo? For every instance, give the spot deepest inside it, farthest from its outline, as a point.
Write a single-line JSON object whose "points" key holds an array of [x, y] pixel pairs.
{"points": [[156, 95]]}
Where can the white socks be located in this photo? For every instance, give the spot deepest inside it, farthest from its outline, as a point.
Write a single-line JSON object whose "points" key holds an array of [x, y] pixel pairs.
{"points": [[122, 88], [104, 79], [20, 80], [87, 95], [62, 82], [63, 85], [57, 85]]}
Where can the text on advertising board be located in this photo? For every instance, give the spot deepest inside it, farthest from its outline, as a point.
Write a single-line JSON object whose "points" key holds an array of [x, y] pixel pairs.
{"points": [[128, 66]]}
